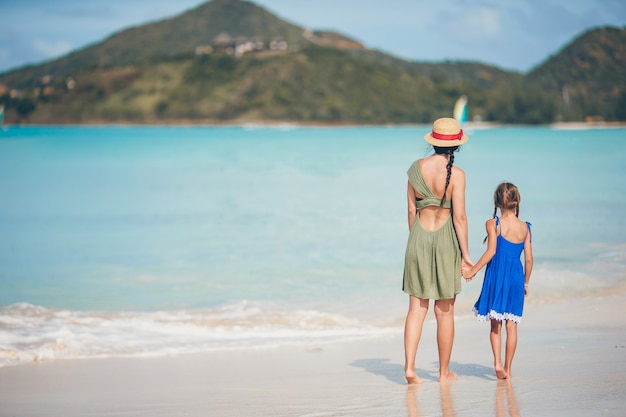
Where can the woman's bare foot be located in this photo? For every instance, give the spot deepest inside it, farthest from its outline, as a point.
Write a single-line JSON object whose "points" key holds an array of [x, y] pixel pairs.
{"points": [[501, 373], [412, 378], [448, 376]]}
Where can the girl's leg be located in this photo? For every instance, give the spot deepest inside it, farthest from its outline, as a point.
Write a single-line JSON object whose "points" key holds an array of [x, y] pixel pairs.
{"points": [[496, 347], [444, 313], [511, 345], [412, 333]]}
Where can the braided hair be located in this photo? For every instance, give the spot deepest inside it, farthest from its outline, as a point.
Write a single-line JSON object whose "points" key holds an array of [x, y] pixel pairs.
{"points": [[507, 197], [450, 152]]}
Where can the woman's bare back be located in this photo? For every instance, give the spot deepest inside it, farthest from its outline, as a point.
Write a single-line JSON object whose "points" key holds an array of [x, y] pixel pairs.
{"points": [[434, 172]]}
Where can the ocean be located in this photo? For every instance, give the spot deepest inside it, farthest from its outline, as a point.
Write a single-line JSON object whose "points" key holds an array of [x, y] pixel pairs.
{"points": [[146, 241]]}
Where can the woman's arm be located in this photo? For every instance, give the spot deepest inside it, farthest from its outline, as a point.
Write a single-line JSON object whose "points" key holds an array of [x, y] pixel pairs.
{"points": [[458, 214], [410, 197]]}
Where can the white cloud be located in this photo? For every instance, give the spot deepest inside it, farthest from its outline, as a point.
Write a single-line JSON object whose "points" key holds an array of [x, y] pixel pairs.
{"points": [[465, 29], [52, 49], [485, 22], [478, 24]]}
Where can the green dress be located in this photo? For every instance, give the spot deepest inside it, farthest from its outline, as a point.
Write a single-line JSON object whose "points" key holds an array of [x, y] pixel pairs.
{"points": [[432, 263]]}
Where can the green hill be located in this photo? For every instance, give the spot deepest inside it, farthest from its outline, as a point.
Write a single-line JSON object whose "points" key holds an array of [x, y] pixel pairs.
{"points": [[233, 61], [588, 76], [165, 39]]}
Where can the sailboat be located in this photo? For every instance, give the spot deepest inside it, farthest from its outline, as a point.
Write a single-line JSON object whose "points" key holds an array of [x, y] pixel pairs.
{"points": [[460, 110]]}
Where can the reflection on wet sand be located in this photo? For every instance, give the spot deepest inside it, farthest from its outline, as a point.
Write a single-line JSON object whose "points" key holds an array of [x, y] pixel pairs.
{"points": [[505, 406], [505, 393], [447, 406], [412, 402]]}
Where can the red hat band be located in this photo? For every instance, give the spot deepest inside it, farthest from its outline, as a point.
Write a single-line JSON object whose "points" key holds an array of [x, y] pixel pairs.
{"points": [[440, 136]]}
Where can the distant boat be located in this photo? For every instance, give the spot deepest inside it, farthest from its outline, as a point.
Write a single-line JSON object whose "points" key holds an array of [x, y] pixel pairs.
{"points": [[460, 110]]}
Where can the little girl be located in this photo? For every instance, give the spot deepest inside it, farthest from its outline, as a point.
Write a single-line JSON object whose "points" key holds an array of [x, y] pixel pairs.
{"points": [[506, 283]]}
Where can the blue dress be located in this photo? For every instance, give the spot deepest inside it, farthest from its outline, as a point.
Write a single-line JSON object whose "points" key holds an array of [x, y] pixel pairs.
{"points": [[502, 294]]}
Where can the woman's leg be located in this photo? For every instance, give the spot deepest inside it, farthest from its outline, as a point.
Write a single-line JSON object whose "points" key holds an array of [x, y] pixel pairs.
{"points": [[412, 333], [444, 313], [511, 345], [496, 347]]}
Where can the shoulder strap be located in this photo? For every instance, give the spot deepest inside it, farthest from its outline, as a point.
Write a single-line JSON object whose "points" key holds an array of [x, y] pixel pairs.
{"points": [[530, 231], [497, 224], [419, 185]]}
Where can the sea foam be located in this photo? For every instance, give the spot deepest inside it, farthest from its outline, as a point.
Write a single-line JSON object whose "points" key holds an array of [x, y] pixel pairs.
{"points": [[30, 333]]}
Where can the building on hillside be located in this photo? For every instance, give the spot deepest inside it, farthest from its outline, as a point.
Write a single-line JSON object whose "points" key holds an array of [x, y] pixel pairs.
{"points": [[223, 41], [240, 46]]}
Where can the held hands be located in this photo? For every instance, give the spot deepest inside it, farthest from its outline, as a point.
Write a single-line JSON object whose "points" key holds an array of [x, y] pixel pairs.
{"points": [[467, 270]]}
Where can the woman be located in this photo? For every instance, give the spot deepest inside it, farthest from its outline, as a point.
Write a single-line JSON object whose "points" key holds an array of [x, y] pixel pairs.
{"points": [[437, 246]]}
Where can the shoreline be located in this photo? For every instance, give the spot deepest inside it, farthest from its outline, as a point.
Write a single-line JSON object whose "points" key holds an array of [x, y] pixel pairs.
{"points": [[570, 361], [267, 329]]}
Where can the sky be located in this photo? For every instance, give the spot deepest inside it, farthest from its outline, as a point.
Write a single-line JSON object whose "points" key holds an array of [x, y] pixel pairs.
{"points": [[511, 34]]}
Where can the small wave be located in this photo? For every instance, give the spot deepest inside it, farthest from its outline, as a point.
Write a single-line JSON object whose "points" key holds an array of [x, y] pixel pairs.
{"points": [[30, 333]]}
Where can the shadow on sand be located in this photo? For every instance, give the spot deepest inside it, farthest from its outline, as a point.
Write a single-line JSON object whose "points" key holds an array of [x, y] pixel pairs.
{"points": [[505, 404], [394, 372]]}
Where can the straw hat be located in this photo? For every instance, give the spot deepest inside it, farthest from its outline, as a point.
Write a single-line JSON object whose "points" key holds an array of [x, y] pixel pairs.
{"points": [[446, 132]]}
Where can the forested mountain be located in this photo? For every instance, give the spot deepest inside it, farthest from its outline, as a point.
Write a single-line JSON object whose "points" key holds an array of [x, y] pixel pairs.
{"points": [[231, 61], [588, 76]]}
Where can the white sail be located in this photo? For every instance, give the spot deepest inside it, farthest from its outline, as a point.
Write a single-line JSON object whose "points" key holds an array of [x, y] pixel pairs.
{"points": [[460, 109]]}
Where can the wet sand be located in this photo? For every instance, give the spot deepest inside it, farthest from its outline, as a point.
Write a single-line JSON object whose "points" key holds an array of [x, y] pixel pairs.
{"points": [[570, 361]]}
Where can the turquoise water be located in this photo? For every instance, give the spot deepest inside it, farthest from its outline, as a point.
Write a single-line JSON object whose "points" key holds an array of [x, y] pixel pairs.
{"points": [[199, 238]]}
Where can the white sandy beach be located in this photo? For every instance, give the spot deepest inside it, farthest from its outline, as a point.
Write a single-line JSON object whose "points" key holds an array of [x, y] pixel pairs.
{"points": [[571, 361]]}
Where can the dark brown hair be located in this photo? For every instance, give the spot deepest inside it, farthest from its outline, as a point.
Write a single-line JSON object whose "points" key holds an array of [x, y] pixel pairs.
{"points": [[450, 152], [506, 197]]}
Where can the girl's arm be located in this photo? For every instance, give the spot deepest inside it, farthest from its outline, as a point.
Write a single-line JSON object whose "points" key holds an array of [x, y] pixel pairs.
{"points": [[528, 262], [490, 225], [410, 197], [459, 217]]}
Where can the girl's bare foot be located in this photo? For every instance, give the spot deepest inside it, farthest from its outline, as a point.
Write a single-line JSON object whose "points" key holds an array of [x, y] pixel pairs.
{"points": [[448, 376]]}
